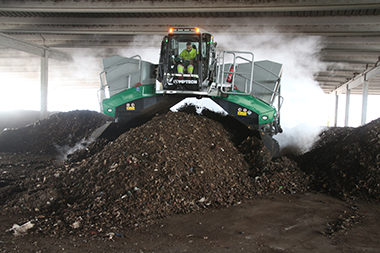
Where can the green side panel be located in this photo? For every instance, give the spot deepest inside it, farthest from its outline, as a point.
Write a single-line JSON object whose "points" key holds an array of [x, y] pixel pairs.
{"points": [[255, 105], [110, 104]]}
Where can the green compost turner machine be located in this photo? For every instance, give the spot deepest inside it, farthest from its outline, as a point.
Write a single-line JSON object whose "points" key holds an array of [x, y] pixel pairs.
{"points": [[133, 90]]}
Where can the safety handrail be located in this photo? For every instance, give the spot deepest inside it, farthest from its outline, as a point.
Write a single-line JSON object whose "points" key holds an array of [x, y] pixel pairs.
{"points": [[246, 77], [221, 72]]}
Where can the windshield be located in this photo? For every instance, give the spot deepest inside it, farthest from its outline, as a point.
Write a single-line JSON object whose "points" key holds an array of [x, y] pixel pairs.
{"points": [[178, 43]]}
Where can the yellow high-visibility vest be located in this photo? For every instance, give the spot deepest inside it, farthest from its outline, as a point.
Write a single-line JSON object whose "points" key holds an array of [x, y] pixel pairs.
{"points": [[188, 55]]}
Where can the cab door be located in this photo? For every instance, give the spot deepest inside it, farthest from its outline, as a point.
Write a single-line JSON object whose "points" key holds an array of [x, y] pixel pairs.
{"points": [[162, 64]]}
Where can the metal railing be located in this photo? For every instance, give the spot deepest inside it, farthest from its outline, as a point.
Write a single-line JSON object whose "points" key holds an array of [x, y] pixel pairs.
{"points": [[237, 58], [226, 87]]}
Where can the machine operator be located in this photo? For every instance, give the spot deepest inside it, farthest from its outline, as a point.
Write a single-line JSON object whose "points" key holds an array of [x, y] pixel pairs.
{"points": [[187, 55]]}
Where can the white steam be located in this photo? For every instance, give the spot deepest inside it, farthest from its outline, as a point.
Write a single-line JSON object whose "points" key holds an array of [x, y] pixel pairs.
{"points": [[74, 85], [306, 108], [64, 151], [148, 47]]}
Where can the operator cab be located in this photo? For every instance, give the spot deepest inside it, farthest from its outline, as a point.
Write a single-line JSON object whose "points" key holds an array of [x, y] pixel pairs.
{"points": [[171, 47]]}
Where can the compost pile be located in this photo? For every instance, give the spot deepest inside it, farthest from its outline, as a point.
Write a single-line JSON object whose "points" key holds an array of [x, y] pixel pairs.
{"points": [[175, 163], [345, 162], [57, 134]]}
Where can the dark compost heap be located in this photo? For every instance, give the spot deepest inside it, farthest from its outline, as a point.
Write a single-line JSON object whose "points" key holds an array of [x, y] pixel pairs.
{"points": [[175, 163]]}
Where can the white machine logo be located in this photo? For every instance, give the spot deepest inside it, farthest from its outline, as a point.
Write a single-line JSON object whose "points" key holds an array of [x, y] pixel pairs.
{"points": [[176, 81]]}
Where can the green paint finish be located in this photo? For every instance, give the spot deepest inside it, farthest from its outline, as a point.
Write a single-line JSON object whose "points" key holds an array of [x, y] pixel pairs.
{"points": [[247, 101], [128, 96], [255, 105]]}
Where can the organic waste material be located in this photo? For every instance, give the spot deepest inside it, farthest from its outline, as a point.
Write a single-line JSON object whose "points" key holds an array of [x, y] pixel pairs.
{"points": [[177, 163], [57, 134], [345, 162]]}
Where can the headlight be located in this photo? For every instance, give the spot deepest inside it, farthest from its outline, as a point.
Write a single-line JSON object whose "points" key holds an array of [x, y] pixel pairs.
{"points": [[109, 110], [264, 117]]}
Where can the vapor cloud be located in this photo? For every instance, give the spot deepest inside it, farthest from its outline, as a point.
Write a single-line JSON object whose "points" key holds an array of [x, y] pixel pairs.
{"points": [[306, 108]]}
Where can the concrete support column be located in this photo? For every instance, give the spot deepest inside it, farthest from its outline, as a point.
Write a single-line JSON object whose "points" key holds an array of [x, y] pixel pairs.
{"points": [[336, 109], [364, 102], [44, 84], [348, 94]]}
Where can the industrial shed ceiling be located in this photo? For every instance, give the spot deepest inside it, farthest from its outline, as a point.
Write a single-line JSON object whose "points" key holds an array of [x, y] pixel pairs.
{"points": [[349, 30]]}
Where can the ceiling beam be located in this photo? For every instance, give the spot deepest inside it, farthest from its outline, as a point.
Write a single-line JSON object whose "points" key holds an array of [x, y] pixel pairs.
{"points": [[344, 21], [184, 6], [351, 51], [351, 59], [25, 46], [155, 28], [358, 80]]}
